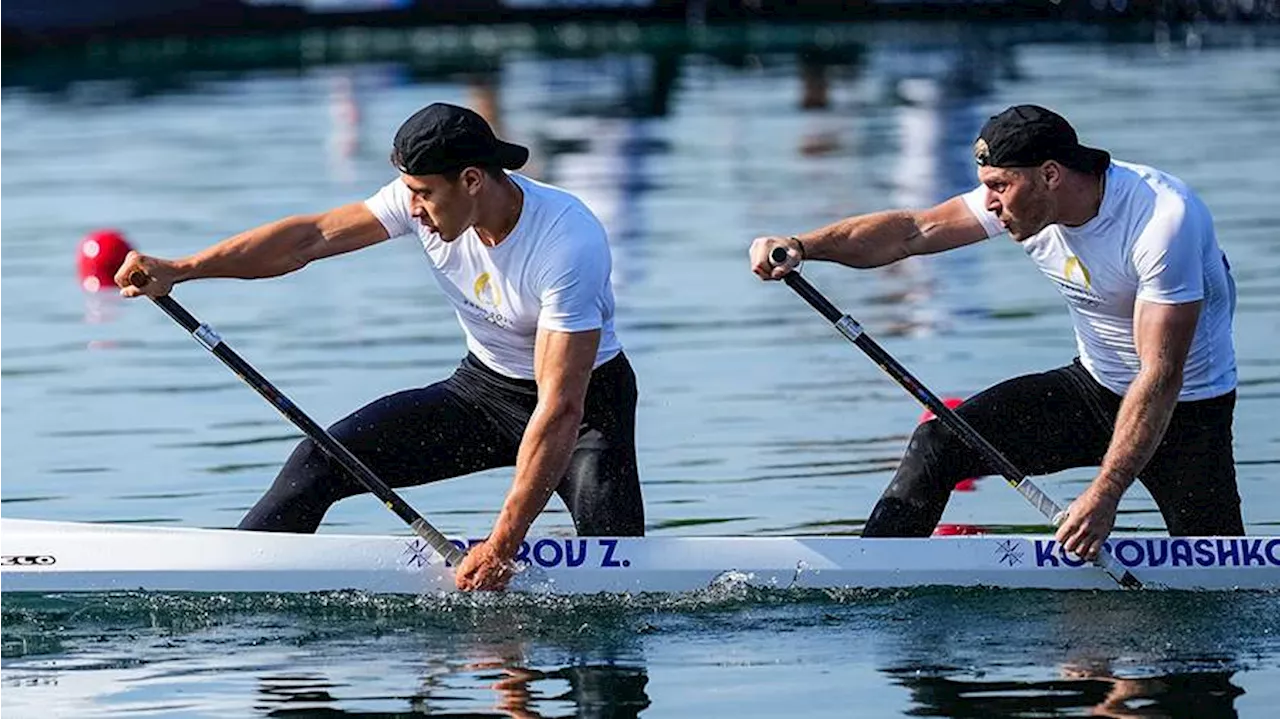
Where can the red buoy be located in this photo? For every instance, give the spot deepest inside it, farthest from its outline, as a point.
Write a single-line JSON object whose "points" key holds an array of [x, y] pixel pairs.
{"points": [[950, 402], [958, 530], [99, 256]]}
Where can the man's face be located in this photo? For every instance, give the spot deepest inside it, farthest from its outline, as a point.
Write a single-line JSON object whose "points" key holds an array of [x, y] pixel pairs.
{"points": [[444, 207], [1020, 197]]}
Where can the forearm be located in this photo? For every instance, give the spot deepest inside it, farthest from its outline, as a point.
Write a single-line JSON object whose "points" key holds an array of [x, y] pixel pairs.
{"points": [[1140, 425], [872, 240], [268, 251], [543, 459]]}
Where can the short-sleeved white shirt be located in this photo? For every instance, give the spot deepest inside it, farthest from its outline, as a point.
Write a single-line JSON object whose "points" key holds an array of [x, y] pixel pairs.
{"points": [[551, 271], [1152, 240]]}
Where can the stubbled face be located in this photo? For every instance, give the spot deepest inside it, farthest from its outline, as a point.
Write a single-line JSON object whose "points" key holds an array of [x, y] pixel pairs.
{"points": [[1020, 197], [444, 207]]}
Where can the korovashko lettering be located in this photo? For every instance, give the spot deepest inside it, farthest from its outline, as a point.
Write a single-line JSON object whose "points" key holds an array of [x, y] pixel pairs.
{"points": [[1173, 552], [107, 557]]}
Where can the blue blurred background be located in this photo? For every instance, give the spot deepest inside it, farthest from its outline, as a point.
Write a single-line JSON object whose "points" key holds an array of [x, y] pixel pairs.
{"points": [[690, 128]]}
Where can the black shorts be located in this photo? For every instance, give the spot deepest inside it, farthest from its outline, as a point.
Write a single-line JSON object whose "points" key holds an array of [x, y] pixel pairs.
{"points": [[1056, 420], [469, 422]]}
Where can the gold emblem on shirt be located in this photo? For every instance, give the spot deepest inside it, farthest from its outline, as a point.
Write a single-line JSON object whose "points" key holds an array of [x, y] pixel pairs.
{"points": [[1072, 266], [487, 291]]}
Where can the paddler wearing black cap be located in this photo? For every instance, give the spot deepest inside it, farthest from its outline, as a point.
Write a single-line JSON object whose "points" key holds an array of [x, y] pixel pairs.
{"points": [[1152, 392], [544, 387]]}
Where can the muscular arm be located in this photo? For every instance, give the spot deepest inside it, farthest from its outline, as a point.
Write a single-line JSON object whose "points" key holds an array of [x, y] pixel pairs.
{"points": [[1163, 334], [286, 245], [271, 250], [882, 238], [562, 366]]}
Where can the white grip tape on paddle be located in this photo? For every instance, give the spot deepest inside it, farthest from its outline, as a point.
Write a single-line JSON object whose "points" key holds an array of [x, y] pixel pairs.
{"points": [[438, 541], [207, 336], [849, 327]]}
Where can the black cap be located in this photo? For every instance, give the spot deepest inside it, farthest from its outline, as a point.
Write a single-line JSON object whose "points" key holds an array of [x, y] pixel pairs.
{"points": [[442, 138], [1028, 135]]}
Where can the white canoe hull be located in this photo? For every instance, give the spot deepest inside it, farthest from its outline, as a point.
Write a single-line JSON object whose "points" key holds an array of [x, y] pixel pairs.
{"points": [[44, 556]]}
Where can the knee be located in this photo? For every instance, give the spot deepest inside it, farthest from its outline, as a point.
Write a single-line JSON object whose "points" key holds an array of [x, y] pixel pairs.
{"points": [[935, 459], [932, 435], [933, 444], [311, 473]]}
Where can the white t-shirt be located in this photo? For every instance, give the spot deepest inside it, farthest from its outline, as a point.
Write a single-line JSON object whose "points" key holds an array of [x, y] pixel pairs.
{"points": [[1151, 240], [552, 272]]}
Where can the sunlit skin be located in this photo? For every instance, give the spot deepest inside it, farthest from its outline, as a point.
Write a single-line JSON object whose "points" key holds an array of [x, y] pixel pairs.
{"points": [[1029, 199], [474, 199], [1022, 198]]}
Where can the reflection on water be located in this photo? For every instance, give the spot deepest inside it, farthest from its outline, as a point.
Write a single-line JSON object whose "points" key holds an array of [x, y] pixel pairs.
{"points": [[728, 650], [1191, 695], [1170, 655], [585, 690]]}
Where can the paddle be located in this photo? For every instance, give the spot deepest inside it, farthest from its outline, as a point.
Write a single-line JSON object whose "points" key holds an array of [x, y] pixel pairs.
{"points": [[206, 336], [852, 331]]}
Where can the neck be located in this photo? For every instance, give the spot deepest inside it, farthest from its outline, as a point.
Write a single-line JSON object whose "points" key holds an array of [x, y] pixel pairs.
{"points": [[500, 212], [1082, 200]]}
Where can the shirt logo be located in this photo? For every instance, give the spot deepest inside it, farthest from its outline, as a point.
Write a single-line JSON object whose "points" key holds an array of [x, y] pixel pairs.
{"points": [[1076, 284], [1072, 266], [487, 291]]}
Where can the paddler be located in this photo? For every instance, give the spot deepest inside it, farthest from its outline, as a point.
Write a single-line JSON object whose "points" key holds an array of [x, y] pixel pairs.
{"points": [[1152, 393], [545, 386]]}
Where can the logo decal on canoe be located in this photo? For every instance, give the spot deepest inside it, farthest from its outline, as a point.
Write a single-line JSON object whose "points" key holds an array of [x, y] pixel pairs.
{"points": [[28, 560], [419, 553], [1010, 552]]}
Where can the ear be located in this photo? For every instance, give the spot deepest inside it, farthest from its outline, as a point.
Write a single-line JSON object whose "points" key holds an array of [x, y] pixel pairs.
{"points": [[1051, 173], [472, 180]]}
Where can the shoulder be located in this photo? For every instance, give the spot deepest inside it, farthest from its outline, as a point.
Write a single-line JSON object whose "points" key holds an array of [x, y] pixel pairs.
{"points": [[1158, 206], [560, 215], [392, 193], [391, 205], [1152, 190]]}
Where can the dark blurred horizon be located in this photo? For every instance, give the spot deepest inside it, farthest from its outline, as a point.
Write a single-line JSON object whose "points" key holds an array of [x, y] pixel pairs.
{"points": [[156, 65], [35, 27]]}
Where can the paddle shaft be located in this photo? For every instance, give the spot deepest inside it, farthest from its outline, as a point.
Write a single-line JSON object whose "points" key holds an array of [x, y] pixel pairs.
{"points": [[206, 336], [852, 331]]}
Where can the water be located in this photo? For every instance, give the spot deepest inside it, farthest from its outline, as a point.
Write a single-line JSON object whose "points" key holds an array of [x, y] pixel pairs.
{"points": [[754, 418]]}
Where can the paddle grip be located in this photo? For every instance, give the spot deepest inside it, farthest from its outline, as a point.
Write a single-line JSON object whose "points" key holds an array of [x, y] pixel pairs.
{"points": [[967, 434], [139, 279]]}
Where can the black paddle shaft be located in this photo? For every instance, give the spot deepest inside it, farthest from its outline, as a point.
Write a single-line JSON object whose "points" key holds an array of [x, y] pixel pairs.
{"points": [[850, 328], [211, 341]]}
